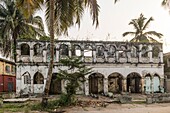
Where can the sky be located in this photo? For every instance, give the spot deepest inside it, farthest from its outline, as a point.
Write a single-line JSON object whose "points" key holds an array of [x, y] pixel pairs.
{"points": [[114, 20]]}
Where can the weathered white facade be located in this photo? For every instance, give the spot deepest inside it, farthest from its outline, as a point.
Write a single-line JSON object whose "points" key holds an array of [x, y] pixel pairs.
{"points": [[117, 66]]}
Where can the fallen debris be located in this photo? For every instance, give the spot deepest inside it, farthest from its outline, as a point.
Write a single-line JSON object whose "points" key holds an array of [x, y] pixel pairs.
{"points": [[17, 100]]}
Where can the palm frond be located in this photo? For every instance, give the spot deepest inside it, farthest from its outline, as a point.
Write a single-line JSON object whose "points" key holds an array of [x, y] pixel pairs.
{"points": [[147, 23], [153, 33], [128, 33], [152, 40], [135, 24], [94, 10]]}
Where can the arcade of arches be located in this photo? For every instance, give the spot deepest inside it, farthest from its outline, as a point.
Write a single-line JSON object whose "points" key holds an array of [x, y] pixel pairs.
{"points": [[98, 83], [116, 83], [117, 66]]}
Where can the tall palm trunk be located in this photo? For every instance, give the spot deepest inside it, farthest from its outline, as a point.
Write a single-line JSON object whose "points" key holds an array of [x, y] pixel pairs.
{"points": [[50, 70], [14, 44]]}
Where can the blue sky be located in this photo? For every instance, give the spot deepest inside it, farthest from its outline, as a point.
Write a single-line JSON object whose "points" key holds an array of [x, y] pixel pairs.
{"points": [[114, 20]]}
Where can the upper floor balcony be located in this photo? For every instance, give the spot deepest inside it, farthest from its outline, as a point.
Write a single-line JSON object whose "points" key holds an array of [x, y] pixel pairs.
{"points": [[92, 51]]}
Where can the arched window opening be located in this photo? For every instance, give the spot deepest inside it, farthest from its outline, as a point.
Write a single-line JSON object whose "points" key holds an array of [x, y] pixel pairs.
{"points": [[48, 53], [144, 51], [112, 51], [133, 52], [25, 49], [76, 50], [96, 83], [155, 52], [100, 51], [134, 84], [38, 78], [88, 51], [27, 78], [37, 49], [122, 52], [64, 50], [115, 83]]}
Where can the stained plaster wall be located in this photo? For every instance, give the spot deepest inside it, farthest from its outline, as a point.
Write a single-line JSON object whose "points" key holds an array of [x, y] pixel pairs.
{"points": [[104, 64]]}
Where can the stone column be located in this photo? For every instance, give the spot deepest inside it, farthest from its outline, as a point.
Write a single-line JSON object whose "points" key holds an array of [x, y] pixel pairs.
{"points": [[57, 55], [160, 57], [18, 58], [82, 54], [128, 56], [31, 54], [69, 53], [105, 56], [162, 84], [45, 55], [124, 85], [57, 52], [94, 56], [140, 53], [32, 85], [105, 85], [152, 87], [142, 84], [86, 86], [117, 56], [150, 53]]}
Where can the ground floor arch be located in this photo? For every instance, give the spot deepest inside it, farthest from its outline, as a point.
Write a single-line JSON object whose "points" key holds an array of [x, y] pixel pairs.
{"points": [[148, 84], [96, 83], [134, 84], [156, 83], [55, 86], [115, 83]]}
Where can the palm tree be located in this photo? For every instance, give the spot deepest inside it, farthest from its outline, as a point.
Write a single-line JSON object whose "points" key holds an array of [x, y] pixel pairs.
{"points": [[50, 70], [65, 14], [13, 25], [140, 34]]}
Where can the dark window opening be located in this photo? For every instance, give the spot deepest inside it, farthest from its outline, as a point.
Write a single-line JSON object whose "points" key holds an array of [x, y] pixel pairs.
{"points": [[25, 49]]}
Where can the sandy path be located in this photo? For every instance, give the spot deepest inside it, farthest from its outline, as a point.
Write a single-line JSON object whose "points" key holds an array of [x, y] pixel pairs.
{"points": [[124, 108]]}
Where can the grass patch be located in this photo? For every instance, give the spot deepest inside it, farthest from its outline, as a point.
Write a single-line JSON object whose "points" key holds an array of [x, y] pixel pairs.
{"points": [[15, 107], [139, 102]]}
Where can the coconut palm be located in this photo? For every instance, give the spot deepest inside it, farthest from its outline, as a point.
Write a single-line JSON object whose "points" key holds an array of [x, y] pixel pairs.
{"points": [[140, 34], [13, 25], [60, 17]]}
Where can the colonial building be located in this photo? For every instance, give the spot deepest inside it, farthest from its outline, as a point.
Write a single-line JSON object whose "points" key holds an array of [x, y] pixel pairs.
{"points": [[7, 76], [117, 66]]}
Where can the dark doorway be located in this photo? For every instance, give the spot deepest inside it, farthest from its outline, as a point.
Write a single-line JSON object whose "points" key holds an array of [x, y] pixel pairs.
{"points": [[55, 86], [134, 83], [115, 83], [96, 85]]}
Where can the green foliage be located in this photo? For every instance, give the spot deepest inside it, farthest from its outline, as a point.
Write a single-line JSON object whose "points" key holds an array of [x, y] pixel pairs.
{"points": [[65, 100], [13, 107], [44, 38], [14, 25], [74, 75], [70, 12]]}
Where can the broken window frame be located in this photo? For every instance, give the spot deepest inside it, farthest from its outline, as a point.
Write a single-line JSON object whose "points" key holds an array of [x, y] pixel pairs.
{"points": [[25, 50], [64, 50], [155, 52], [27, 79], [37, 49]]}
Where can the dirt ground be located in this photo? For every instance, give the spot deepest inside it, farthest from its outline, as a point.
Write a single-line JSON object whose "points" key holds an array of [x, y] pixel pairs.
{"points": [[120, 108], [123, 108]]}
